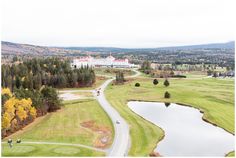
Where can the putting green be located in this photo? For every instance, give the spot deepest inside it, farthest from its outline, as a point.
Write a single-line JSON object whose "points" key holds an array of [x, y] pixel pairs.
{"points": [[66, 150], [19, 149]]}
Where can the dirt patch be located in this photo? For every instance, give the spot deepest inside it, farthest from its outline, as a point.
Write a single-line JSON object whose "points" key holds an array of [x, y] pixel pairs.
{"points": [[154, 154], [104, 133]]}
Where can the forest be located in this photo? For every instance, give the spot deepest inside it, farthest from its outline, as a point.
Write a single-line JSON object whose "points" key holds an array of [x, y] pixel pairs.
{"points": [[34, 73], [29, 89]]}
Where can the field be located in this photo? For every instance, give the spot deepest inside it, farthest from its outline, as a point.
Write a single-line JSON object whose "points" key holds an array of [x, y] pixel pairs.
{"points": [[213, 96], [78, 122]]}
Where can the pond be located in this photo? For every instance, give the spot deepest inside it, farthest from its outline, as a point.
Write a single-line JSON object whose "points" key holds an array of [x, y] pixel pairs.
{"points": [[186, 134]]}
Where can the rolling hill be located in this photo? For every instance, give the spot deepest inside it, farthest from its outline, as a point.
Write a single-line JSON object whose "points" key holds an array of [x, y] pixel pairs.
{"points": [[23, 49]]}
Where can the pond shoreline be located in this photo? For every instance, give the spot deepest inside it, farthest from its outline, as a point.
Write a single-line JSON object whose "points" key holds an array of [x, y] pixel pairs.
{"points": [[163, 135], [181, 104], [188, 105]]}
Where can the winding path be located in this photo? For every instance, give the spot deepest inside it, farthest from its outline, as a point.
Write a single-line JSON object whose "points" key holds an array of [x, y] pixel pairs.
{"points": [[121, 143]]}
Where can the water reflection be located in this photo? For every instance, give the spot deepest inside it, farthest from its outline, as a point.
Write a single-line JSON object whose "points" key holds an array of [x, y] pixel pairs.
{"points": [[167, 104], [186, 134]]}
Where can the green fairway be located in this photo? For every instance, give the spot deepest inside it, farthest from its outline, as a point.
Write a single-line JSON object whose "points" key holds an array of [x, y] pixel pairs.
{"points": [[47, 150], [213, 96], [79, 121]]}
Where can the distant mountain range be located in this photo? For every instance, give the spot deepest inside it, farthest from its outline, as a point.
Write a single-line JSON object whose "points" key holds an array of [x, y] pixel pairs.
{"points": [[227, 45], [16, 48]]}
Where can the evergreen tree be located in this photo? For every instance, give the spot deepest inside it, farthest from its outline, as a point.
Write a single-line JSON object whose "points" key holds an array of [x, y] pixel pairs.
{"points": [[167, 94], [51, 98], [18, 82], [155, 82], [166, 83]]}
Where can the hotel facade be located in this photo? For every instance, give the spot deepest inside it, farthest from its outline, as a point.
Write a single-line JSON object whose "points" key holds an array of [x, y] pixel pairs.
{"points": [[109, 61]]}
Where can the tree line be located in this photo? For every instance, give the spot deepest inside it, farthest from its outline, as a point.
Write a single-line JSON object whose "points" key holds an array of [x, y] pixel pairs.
{"points": [[34, 73]]}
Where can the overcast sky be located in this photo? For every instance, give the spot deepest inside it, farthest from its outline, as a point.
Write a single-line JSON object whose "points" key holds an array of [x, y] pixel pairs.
{"points": [[118, 23]]}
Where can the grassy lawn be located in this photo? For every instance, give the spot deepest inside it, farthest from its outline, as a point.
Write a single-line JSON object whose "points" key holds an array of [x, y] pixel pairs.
{"points": [[214, 96], [47, 150], [79, 121]]}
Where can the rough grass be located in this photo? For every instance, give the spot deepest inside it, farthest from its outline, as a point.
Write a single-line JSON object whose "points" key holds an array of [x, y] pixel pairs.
{"points": [[214, 96], [47, 150], [65, 124]]}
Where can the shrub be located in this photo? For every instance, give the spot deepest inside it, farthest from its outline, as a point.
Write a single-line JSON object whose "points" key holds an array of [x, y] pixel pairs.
{"points": [[167, 95], [155, 82], [137, 84], [179, 76], [166, 83]]}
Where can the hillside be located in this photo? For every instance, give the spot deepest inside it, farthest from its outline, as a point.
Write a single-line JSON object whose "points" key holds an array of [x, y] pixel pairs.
{"points": [[23, 49]]}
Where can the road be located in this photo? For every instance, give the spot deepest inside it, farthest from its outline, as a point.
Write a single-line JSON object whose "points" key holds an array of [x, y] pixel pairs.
{"points": [[121, 142]]}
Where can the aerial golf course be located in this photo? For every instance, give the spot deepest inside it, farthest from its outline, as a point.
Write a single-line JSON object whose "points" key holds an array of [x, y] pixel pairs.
{"points": [[84, 122]]}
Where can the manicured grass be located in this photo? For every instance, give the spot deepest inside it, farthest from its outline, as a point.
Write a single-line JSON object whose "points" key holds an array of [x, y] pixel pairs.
{"points": [[214, 96], [47, 150], [65, 125]]}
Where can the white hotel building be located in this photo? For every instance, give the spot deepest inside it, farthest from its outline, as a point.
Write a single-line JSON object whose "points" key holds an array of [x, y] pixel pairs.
{"points": [[109, 61]]}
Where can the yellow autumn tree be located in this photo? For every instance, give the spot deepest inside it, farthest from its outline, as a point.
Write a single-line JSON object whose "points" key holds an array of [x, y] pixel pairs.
{"points": [[15, 108], [6, 121], [9, 106], [6, 91], [21, 113], [33, 112]]}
